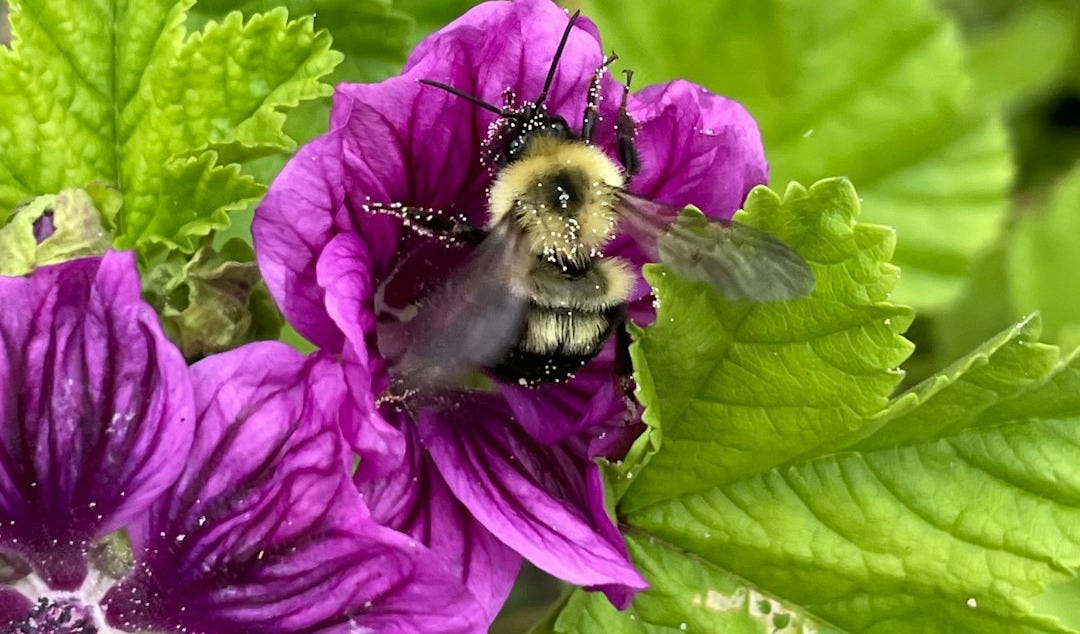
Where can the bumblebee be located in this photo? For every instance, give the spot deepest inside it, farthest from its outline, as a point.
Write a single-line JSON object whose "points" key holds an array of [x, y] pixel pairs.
{"points": [[537, 298]]}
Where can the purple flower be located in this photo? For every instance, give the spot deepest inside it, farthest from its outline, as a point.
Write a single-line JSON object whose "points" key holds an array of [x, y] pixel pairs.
{"points": [[230, 480], [512, 468]]}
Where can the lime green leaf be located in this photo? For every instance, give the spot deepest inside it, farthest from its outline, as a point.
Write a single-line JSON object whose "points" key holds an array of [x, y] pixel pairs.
{"points": [[1043, 259], [374, 37], [689, 595], [961, 395], [371, 33], [954, 507], [958, 514], [136, 103], [877, 95], [198, 195], [761, 387]]}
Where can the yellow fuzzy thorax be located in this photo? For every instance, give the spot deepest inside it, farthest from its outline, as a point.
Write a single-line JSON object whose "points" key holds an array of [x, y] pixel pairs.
{"points": [[560, 194]]}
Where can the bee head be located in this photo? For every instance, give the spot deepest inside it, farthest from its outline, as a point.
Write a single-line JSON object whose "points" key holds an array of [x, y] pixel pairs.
{"points": [[514, 132], [515, 129]]}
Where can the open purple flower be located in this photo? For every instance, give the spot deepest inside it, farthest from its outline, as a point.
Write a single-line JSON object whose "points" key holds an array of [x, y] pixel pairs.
{"points": [[231, 481], [513, 467]]}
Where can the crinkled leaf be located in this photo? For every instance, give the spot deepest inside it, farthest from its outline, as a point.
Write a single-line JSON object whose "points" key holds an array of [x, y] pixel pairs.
{"points": [[211, 302], [877, 95], [149, 107], [741, 387], [1043, 259], [50, 230], [371, 33], [951, 508]]}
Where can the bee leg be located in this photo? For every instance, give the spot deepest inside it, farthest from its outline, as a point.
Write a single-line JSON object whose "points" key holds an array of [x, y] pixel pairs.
{"points": [[625, 130], [431, 222], [588, 125]]}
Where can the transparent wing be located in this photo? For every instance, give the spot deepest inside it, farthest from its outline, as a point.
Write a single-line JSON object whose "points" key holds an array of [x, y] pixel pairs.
{"points": [[472, 320], [739, 261]]}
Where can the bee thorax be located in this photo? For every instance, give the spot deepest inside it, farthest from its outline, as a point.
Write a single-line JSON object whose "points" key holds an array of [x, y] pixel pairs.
{"points": [[560, 195]]}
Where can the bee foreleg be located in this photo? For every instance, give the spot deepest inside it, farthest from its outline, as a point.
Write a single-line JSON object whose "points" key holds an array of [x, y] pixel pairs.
{"points": [[431, 222], [625, 131], [588, 125]]}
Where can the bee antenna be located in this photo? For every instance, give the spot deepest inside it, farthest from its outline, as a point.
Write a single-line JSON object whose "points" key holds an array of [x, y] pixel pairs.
{"points": [[464, 95], [558, 54]]}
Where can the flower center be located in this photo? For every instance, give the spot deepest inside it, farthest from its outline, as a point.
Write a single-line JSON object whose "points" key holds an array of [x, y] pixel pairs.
{"points": [[63, 612], [57, 615]]}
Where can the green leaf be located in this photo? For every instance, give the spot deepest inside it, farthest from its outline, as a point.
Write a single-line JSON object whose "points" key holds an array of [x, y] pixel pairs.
{"points": [[741, 388], [148, 107], [1043, 259], [688, 595], [788, 493], [371, 33], [878, 95], [958, 513]]}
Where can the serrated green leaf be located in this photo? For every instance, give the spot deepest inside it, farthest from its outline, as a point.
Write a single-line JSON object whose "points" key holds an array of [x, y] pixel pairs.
{"points": [[960, 514], [119, 92], [371, 33], [197, 197], [955, 507], [1043, 259], [760, 388], [878, 95], [960, 396]]}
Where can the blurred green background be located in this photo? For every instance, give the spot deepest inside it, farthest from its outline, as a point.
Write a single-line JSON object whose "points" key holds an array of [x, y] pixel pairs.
{"points": [[958, 121]]}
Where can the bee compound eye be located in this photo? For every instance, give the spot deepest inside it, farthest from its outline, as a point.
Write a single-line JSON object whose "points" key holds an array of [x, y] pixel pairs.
{"points": [[559, 126]]}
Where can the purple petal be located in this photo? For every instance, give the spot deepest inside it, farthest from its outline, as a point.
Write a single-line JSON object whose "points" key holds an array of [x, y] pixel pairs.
{"points": [[264, 531], [697, 148], [544, 502], [292, 225], [500, 45], [14, 606], [344, 273], [416, 501], [98, 410]]}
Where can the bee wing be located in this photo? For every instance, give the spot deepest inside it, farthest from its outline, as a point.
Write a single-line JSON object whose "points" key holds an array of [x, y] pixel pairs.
{"points": [[472, 320], [739, 261]]}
